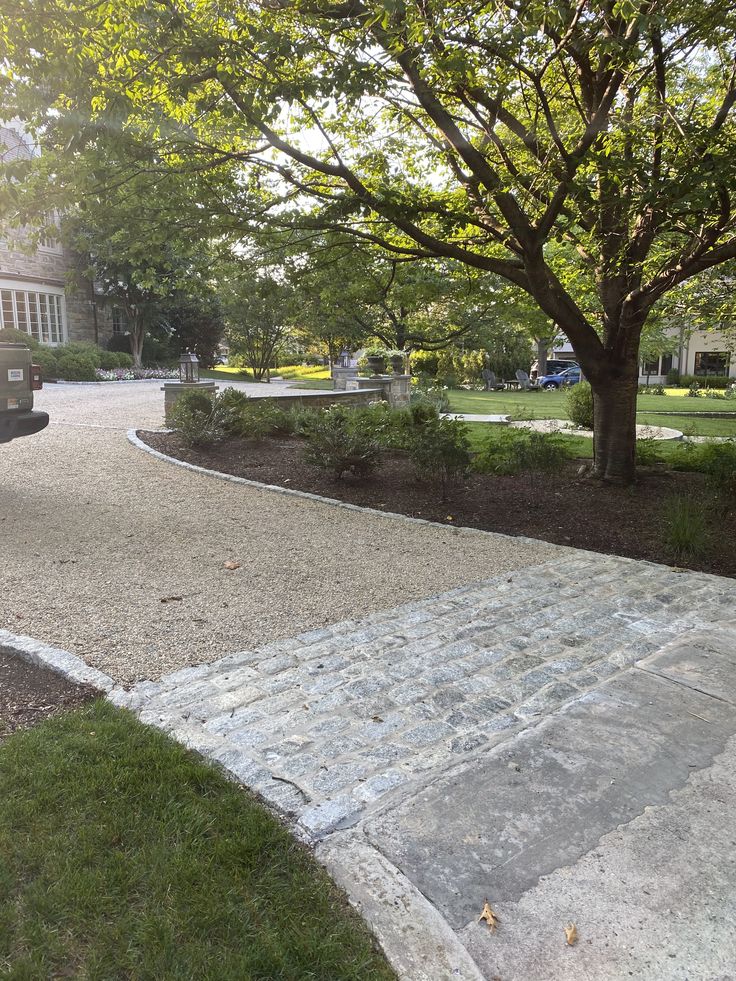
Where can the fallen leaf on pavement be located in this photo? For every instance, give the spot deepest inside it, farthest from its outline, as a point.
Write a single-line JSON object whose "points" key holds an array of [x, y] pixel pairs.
{"points": [[231, 565], [171, 599], [489, 916], [571, 934]]}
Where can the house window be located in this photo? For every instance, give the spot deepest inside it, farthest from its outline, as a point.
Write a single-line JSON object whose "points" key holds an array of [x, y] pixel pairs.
{"points": [[711, 362], [666, 364], [119, 321], [651, 367], [41, 315], [47, 240]]}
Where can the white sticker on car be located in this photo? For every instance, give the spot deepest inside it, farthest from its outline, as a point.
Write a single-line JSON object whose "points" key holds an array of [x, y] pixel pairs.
{"points": [[15, 374]]}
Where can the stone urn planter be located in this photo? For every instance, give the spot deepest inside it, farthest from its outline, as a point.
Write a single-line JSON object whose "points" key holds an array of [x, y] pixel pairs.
{"points": [[376, 363], [397, 364]]}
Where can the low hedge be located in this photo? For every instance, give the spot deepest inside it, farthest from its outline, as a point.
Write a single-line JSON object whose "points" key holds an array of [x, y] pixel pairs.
{"points": [[706, 381]]}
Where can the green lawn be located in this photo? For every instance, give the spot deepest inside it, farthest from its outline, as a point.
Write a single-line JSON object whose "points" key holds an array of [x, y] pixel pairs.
{"points": [[124, 856], [301, 376], [552, 405]]}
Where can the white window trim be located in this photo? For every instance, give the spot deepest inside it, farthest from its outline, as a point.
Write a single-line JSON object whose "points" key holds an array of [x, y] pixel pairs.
{"points": [[26, 286]]}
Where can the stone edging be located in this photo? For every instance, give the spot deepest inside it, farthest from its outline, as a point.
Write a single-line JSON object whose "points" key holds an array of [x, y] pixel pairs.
{"points": [[58, 660], [334, 502]]}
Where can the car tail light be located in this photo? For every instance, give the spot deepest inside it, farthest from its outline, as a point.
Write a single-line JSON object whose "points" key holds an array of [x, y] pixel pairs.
{"points": [[36, 377]]}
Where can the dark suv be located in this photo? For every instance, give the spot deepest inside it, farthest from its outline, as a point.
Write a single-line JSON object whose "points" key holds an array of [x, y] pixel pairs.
{"points": [[19, 379]]}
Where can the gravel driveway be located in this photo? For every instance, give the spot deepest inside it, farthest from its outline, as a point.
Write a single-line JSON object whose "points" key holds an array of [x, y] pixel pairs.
{"points": [[118, 557]]}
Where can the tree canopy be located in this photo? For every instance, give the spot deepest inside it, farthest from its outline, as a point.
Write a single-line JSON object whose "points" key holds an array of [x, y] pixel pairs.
{"points": [[583, 150]]}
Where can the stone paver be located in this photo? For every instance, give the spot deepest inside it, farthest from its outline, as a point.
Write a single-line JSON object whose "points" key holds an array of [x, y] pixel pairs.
{"points": [[331, 724]]}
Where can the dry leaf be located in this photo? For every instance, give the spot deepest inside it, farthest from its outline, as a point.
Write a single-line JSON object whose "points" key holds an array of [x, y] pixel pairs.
{"points": [[571, 934], [231, 565], [489, 916], [449, 518], [171, 599]]}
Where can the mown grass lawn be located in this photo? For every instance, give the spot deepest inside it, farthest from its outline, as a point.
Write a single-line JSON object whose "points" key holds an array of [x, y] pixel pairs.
{"points": [[303, 376], [553, 405], [124, 856]]}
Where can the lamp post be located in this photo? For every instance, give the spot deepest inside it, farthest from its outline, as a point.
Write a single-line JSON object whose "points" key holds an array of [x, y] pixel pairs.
{"points": [[188, 381], [189, 368]]}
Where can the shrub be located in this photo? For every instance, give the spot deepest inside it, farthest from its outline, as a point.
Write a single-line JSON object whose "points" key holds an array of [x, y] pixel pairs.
{"points": [[580, 405], [685, 531], [199, 419], [258, 418], [110, 360], [432, 395], [82, 349], [693, 390], [706, 381], [9, 335], [647, 452], [673, 377], [509, 451], [46, 358], [75, 367], [651, 390], [439, 449], [716, 460], [339, 440]]}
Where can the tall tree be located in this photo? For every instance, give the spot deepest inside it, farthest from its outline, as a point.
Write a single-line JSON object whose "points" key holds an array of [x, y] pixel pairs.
{"points": [[406, 304], [577, 148], [259, 309]]}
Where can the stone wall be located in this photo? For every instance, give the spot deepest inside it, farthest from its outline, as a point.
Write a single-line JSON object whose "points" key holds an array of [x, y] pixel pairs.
{"points": [[58, 270]]}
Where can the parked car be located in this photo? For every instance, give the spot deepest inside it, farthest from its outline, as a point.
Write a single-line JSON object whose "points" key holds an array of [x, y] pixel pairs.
{"points": [[560, 379], [554, 366], [19, 379]]}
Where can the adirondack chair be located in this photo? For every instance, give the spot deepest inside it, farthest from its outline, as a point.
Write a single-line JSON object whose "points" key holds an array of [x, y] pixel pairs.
{"points": [[490, 381], [524, 382]]}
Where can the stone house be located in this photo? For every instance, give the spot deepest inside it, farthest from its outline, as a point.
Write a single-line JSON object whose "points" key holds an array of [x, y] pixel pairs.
{"points": [[43, 291]]}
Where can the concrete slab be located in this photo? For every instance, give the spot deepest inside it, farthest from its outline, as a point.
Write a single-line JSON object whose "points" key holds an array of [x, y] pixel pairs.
{"points": [[543, 800], [705, 661]]}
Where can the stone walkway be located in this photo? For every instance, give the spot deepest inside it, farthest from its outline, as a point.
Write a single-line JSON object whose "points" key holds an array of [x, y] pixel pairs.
{"points": [[332, 723]]}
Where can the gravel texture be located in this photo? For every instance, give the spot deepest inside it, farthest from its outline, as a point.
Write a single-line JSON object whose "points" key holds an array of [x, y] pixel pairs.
{"points": [[119, 557]]}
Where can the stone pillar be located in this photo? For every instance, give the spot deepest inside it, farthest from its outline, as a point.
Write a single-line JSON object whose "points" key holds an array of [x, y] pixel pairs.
{"points": [[394, 389], [174, 390], [341, 377]]}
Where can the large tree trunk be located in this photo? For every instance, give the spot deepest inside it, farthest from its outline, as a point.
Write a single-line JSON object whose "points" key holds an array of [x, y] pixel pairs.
{"points": [[137, 337], [614, 414]]}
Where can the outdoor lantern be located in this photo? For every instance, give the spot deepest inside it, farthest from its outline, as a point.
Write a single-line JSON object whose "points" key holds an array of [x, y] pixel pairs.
{"points": [[188, 368]]}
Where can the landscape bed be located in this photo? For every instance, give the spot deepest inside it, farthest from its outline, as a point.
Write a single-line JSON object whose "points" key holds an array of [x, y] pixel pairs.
{"points": [[563, 507]]}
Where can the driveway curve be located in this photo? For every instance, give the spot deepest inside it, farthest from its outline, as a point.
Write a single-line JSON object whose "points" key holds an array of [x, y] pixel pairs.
{"points": [[119, 557]]}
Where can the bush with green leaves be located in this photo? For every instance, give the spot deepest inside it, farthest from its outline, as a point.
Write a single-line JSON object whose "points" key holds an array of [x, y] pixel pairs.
{"points": [[685, 532], [508, 451], [705, 381], [342, 441], [72, 366], [47, 360], [9, 335], [439, 449], [430, 395], [673, 377], [579, 400], [259, 418], [647, 452], [199, 419], [110, 360], [716, 460]]}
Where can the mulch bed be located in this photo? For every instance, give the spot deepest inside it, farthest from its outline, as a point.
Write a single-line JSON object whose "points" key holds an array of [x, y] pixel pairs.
{"points": [[29, 694], [564, 508]]}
